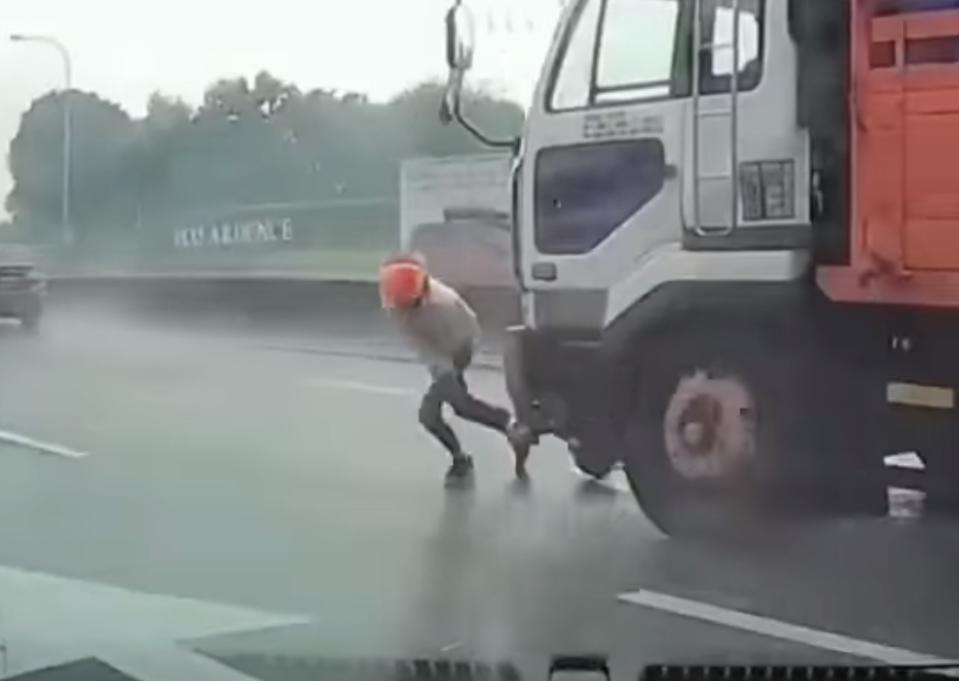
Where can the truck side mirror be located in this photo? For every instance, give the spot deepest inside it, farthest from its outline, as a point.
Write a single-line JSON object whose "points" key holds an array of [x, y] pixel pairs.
{"points": [[459, 38], [459, 58]]}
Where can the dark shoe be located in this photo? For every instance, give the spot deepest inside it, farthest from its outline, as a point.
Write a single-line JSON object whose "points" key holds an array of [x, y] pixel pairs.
{"points": [[460, 469], [521, 439]]}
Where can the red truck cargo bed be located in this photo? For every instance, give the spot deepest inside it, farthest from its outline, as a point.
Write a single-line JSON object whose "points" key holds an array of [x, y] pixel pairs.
{"points": [[905, 160]]}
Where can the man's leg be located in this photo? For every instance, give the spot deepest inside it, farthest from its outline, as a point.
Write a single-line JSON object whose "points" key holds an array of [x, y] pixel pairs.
{"points": [[431, 417], [456, 394]]}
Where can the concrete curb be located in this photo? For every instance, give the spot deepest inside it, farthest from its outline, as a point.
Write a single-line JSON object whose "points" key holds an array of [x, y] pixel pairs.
{"points": [[213, 275]]}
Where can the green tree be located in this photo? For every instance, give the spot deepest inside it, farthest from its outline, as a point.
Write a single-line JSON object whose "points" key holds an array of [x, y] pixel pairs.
{"points": [[102, 137], [417, 111], [165, 113], [270, 93], [244, 144]]}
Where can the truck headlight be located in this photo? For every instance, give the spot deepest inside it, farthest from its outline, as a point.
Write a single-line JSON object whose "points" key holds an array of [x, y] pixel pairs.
{"points": [[768, 190]]}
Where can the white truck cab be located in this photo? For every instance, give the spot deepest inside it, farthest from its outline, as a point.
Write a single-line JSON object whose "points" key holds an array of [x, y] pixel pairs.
{"points": [[627, 170], [683, 171]]}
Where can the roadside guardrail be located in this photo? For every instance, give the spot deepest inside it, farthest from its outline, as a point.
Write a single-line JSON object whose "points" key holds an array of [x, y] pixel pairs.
{"points": [[297, 288]]}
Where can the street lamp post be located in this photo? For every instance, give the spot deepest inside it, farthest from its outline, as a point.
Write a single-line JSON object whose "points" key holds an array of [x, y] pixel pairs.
{"points": [[67, 125]]}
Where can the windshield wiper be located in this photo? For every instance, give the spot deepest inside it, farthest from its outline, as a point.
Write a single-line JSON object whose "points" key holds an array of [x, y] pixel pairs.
{"points": [[881, 672]]}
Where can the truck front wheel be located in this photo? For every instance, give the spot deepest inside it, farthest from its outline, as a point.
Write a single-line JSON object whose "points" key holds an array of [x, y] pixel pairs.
{"points": [[593, 457], [696, 442], [724, 439]]}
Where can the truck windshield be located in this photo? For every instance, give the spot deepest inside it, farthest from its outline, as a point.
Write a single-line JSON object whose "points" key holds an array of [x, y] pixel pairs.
{"points": [[618, 51], [635, 53]]}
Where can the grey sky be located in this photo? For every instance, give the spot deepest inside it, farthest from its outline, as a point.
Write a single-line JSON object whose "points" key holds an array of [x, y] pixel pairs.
{"points": [[126, 49]]}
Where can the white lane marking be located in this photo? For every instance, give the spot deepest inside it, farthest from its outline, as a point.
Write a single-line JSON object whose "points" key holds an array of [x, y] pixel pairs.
{"points": [[908, 460], [49, 620], [904, 503], [171, 664], [765, 626], [615, 480], [619, 482], [362, 387], [39, 446], [451, 647]]}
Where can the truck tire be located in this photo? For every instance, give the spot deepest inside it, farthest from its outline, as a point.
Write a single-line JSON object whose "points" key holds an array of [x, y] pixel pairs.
{"points": [[726, 440], [595, 454], [699, 428]]}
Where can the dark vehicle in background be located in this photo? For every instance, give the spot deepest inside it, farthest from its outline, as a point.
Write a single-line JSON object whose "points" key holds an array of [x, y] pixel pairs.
{"points": [[22, 291], [471, 251], [456, 212]]}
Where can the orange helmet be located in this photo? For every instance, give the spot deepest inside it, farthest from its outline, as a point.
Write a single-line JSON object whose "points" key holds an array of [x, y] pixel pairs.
{"points": [[402, 283]]}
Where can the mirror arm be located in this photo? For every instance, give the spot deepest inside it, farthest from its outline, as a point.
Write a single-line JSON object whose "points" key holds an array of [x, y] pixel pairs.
{"points": [[451, 111], [479, 134]]}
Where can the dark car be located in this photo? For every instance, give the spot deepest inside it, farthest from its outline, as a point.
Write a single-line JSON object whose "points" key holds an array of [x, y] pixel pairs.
{"points": [[21, 294], [469, 250]]}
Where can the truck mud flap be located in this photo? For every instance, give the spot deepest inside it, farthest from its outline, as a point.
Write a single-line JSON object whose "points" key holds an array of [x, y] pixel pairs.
{"points": [[517, 384]]}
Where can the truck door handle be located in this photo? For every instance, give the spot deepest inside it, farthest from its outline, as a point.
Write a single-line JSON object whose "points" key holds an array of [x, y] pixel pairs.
{"points": [[544, 271]]}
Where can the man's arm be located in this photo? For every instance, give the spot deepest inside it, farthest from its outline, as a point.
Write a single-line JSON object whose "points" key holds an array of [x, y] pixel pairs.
{"points": [[437, 361], [470, 320]]}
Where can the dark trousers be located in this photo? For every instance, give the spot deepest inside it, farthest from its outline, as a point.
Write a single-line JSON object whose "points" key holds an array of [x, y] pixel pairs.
{"points": [[451, 389]]}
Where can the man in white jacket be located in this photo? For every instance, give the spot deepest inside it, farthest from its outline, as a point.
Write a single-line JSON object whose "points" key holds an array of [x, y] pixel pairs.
{"points": [[445, 333]]}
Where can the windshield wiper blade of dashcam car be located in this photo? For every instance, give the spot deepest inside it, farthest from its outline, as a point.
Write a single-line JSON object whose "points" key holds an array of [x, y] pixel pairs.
{"points": [[800, 672]]}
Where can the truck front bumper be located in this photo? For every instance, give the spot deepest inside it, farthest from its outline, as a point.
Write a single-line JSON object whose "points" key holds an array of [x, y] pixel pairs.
{"points": [[560, 385], [518, 386], [546, 375]]}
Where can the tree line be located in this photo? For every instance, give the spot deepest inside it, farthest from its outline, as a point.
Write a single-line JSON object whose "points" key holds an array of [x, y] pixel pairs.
{"points": [[264, 141]]}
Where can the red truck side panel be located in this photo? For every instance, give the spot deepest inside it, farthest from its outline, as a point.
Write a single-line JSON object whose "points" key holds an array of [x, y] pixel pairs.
{"points": [[905, 161]]}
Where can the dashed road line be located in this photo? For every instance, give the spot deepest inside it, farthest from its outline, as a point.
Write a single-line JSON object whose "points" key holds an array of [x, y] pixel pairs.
{"points": [[39, 446], [765, 626]]}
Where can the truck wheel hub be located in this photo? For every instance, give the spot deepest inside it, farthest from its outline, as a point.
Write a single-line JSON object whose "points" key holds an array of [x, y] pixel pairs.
{"points": [[710, 427]]}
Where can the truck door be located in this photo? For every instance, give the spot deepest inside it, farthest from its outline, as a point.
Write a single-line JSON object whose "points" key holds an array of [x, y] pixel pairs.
{"points": [[726, 35], [744, 129], [598, 186]]}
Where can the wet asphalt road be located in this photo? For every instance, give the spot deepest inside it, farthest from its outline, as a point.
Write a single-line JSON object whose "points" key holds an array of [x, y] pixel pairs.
{"points": [[279, 472]]}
